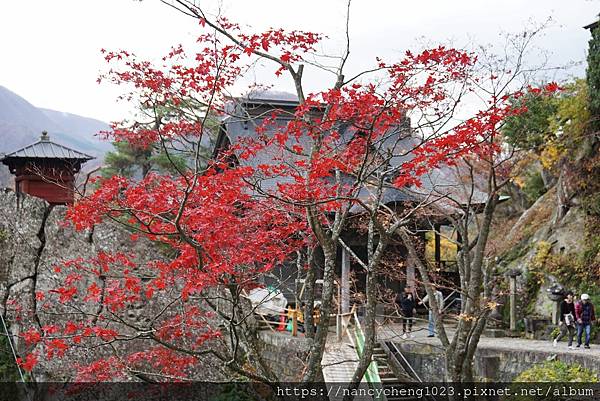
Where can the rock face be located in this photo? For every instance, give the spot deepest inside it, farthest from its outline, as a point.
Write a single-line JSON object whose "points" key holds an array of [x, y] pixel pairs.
{"points": [[540, 234], [33, 241], [20, 226]]}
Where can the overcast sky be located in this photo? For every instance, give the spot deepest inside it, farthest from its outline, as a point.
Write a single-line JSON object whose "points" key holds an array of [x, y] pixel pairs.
{"points": [[51, 49]]}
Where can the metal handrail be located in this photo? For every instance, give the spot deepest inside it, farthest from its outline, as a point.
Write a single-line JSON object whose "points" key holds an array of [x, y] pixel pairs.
{"points": [[431, 397], [448, 305], [405, 361]]}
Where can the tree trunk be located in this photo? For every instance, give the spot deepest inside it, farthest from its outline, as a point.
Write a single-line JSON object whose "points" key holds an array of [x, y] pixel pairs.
{"points": [[318, 346], [369, 331], [461, 353], [247, 336], [309, 310]]}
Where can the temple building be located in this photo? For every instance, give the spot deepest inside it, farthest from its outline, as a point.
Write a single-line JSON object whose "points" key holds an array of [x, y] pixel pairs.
{"points": [[46, 169]]}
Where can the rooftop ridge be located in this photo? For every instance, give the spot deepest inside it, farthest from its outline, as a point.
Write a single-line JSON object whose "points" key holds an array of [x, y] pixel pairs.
{"points": [[46, 149]]}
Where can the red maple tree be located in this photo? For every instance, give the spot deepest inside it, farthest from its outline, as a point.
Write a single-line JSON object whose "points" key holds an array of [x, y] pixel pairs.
{"points": [[224, 228]]}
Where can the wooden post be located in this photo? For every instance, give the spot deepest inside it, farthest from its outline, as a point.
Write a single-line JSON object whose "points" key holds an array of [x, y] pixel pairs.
{"points": [[437, 242], [513, 303], [295, 322], [345, 282], [513, 274], [556, 313]]}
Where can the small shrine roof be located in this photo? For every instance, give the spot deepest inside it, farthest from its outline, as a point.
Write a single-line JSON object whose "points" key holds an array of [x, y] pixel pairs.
{"points": [[44, 148]]}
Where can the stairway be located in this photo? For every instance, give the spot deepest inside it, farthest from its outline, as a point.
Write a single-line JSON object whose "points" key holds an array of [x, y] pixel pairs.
{"points": [[389, 375], [394, 370], [385, 371]]}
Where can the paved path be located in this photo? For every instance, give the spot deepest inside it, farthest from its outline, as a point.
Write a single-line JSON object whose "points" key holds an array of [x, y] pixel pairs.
{"points": [[339, 363], [394, 331], [339, 359]]}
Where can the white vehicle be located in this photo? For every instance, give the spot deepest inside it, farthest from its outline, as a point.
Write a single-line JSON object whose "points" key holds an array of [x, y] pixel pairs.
{"points": [[267, 301]]}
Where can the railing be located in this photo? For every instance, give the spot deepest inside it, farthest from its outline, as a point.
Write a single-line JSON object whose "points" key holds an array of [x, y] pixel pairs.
{"points": [[447, 304], [357, 339], [12, 348], [292, 315], [447, 265], [394, 351]]}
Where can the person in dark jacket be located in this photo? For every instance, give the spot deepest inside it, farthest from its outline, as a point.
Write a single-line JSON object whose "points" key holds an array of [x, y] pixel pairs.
{"points": [[406, 302], [584, 313], [567, 320]]}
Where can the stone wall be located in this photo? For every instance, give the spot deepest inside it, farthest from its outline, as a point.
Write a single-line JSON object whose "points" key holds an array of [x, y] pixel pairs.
{"points": [[491, 364], [285, 354], [34, 242]]}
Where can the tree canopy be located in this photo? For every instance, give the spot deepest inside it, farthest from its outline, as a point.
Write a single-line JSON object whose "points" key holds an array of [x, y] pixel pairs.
{"points": [[593, 77], [339, 149]]}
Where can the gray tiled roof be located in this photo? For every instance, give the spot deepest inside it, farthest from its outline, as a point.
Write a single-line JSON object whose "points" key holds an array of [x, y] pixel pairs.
{"points": [[237, 129], [440, 182], [389, 196], [46, 149], [593, 25], [270, 95]]}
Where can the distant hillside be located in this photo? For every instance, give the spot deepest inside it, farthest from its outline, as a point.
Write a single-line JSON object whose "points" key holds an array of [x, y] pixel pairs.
{"points": [[21, 123]]}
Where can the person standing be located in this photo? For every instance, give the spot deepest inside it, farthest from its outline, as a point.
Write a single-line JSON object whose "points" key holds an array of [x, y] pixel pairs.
{"points": [[584, 313], [406, 302], [439, 299], [567, 320]]}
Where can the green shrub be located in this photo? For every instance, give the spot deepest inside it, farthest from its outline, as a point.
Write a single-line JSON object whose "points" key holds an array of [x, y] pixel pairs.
{"points": [[531, 129], [593, 77], [534, 186], [8, 368], [557, 371], [235, 392]]}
